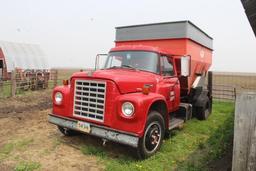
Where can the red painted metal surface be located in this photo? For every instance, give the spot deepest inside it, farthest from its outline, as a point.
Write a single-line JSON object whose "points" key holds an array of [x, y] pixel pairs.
{"points": [[1, 54], [121, 88], [201, 57], [4, 69]]}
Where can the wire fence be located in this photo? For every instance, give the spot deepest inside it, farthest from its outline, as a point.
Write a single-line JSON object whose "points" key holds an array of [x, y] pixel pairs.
{"points": [[227, 84], [22, 82], [224, 92]]}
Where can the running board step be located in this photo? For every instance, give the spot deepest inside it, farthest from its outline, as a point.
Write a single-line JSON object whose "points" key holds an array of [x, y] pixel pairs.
{"points": [[175, 122]]}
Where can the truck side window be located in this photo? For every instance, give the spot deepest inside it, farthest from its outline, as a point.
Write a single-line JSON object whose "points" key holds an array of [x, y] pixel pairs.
{"points": [[166, 66]]}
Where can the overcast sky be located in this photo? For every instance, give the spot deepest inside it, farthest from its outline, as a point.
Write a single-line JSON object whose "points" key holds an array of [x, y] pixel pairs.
{"points": [[72, 32]]}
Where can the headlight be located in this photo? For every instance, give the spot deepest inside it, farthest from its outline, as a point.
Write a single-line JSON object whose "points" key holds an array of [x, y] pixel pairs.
{"points": [[128, 109], [58, 98]]}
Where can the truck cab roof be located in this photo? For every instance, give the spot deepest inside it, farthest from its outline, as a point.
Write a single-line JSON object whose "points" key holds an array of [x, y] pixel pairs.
{"points": [[138, 48]]}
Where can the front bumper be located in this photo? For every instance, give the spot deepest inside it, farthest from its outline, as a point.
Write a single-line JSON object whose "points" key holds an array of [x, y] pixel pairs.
{"points": [[96, 130]]}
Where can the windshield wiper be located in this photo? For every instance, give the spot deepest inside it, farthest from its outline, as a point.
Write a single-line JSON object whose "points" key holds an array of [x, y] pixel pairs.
{"points": [[128, 66], [113, 67], [122, 66]]}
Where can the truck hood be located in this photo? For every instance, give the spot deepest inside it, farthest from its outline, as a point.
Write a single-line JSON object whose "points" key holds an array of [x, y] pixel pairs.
{"points": [[127, 80]]}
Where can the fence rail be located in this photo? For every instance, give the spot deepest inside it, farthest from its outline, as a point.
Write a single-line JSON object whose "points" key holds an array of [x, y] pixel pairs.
{"points": [[19, 84], [227, 84], [224, 92]]}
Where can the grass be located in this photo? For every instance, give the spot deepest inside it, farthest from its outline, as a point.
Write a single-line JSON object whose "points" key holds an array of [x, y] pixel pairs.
{"points": [[5, 89], [191, 148], [92, 150], [16, 145], [27, 166]]}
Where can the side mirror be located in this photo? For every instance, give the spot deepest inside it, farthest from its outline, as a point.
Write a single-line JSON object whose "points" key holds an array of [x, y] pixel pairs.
{"points": [[100, 61], [185, 66]]}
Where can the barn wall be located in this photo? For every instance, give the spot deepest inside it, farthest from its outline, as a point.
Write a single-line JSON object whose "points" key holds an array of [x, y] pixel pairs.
{"points": [[1, 54], [5, 73]]}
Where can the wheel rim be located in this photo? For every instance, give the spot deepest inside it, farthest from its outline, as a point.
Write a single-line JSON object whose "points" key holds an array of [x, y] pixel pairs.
{"points": [[152, 137], [206, 113]]}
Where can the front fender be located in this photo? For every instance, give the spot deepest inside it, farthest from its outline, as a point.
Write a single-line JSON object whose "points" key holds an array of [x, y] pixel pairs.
{"points": [[142, 104], [64, 108]]}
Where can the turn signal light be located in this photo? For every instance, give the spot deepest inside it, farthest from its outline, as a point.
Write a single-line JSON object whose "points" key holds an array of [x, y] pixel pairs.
{"points": [[65, 82], [146, 89]]}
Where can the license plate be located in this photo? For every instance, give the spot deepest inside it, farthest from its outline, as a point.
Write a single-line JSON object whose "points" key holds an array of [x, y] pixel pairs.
{"points": [[83, 126]]}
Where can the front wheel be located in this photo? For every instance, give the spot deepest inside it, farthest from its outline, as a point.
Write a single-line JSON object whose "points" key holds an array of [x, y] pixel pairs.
{"points": [[152, 139]]}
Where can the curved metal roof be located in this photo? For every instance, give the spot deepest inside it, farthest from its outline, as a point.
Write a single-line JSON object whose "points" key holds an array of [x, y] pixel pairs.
{"points": [[138, 47], [24, 56]]}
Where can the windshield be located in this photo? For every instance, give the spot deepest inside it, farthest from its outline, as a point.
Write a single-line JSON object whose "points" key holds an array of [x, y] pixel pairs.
{"points": [[141, 60]]}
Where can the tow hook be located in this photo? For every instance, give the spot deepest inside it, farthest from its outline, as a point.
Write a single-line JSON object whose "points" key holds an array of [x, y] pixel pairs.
{"points": [[104, 141]]}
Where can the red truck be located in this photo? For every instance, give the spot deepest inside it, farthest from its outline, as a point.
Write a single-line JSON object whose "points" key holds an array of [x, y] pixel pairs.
{"points": [[152, 82]]}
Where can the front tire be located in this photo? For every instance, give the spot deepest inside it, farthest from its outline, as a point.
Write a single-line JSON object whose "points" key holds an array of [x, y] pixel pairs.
{"points": [[153, 136]]}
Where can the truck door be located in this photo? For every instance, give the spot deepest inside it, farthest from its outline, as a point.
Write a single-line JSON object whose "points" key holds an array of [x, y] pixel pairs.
{"points": [[171, 83]]}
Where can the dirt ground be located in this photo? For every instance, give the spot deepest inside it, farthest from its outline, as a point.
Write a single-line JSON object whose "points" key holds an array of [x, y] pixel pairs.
{"points": [[26, 136]]}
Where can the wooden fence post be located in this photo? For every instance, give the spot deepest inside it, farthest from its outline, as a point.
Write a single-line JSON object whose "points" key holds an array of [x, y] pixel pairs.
{"points": [[13, 82], [244, 149], [55, 81], [1, 86], [210, 88]]}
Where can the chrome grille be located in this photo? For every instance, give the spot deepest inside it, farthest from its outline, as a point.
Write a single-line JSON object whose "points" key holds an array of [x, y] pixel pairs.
{"points": [[89, 99]]}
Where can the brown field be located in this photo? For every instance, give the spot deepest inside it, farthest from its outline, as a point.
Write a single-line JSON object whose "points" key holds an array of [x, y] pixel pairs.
{"points": [[66, 73], [227, 84], [238, 80]]}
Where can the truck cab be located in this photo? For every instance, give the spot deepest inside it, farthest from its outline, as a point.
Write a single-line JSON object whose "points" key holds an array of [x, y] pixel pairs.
{"points": [[148, 68], [147, 86]]}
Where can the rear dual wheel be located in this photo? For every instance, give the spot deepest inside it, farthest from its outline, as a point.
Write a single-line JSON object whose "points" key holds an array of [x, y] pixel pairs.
{"points": [[203, 112], [152, 140]]}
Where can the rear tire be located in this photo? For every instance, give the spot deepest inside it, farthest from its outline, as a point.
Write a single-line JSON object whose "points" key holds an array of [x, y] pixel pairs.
{"points": [[67, 132], [153, 136], [203, 112]]}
